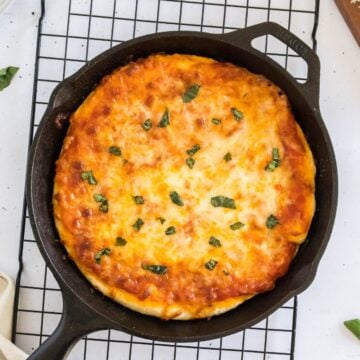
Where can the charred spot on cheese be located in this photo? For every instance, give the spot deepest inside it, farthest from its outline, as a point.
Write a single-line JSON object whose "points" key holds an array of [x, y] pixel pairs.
{"points": [[211, 264], [104, 204], [275, 162], [225, 272], [193, 150], [223, 201], [191, 93], [139, 200], [216, 121], [176, 199], [238, 115], [165, 119], [170, 230], [227, 157], [190, 162], [272, 221], [214, 242], [119, 241], [236, 226], [147, 125], [89, 177], [138, 224], [101, 253], [115, 150], [156, 269]]}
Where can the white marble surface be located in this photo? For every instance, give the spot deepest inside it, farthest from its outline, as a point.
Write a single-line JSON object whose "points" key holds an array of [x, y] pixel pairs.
{"points": [[334, 296]]}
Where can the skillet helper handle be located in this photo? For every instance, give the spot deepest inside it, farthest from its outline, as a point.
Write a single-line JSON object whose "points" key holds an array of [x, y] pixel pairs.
{"points": [[75, 322], [245, 36]]}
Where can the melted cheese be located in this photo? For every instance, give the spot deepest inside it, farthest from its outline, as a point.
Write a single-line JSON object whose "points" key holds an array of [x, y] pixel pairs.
{"points": [[153, 164]]}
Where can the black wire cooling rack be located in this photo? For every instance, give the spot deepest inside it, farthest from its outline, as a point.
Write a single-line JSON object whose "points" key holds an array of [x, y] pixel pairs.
{"points": [[71, 32]]}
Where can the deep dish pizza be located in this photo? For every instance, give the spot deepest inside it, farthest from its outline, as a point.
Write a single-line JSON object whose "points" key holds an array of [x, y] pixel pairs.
{"points": [[184, 186]]}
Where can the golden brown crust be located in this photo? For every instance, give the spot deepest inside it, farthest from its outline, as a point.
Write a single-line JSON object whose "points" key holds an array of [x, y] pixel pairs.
{"points": [[153, 163]]}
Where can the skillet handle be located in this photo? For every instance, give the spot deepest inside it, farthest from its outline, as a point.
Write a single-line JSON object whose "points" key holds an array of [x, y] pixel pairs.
{"points": [[245, 36], [76, 321]]}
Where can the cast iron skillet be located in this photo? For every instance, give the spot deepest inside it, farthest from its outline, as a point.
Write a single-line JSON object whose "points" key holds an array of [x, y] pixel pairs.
{"points": [[86, 310]]}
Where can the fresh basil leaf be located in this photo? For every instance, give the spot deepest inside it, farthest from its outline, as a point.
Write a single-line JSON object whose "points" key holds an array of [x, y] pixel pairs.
{"points": [[147, 125], [104, 205], [236, 226], [223, 201], [138, 224], [191, 93], [238, 115], [156, 269], [6, 75], [214, 242], [170, 230], [194, 149], [165, 119], [99, 198], [227, 157], [271, 222], [210, 265], [115, 150], [161, 219], [353, 326], [175, 198], [190, 162], [275, 162], [216, 121], [120, 241], [139, 200], [89, 176], [102, 252]]}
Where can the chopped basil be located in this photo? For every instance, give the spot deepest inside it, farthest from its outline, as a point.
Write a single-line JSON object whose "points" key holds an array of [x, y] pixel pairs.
{"points": [[210, 265], [216, 121], [6, 75], [214, 242], [271, 222], [139, 200], [175, 198], [156, 269], [170, 230], [194, 149], [89, 176], [147, 125], [161, 219], [190, 162], [227, 157], [238, 115], [115, 150], [353, 326], [165, 119], [104, 204], [120, 241], [102, 252], [191, 93], [236, 226], [223, 201], [275, 162], [138, 224]]}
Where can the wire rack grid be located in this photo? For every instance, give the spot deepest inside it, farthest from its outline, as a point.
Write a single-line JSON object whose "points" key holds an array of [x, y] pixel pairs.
{"points": [[71, 32]]}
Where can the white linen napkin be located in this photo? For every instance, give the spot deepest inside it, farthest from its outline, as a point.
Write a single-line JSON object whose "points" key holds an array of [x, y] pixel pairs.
{"points": [[8, 351]]}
